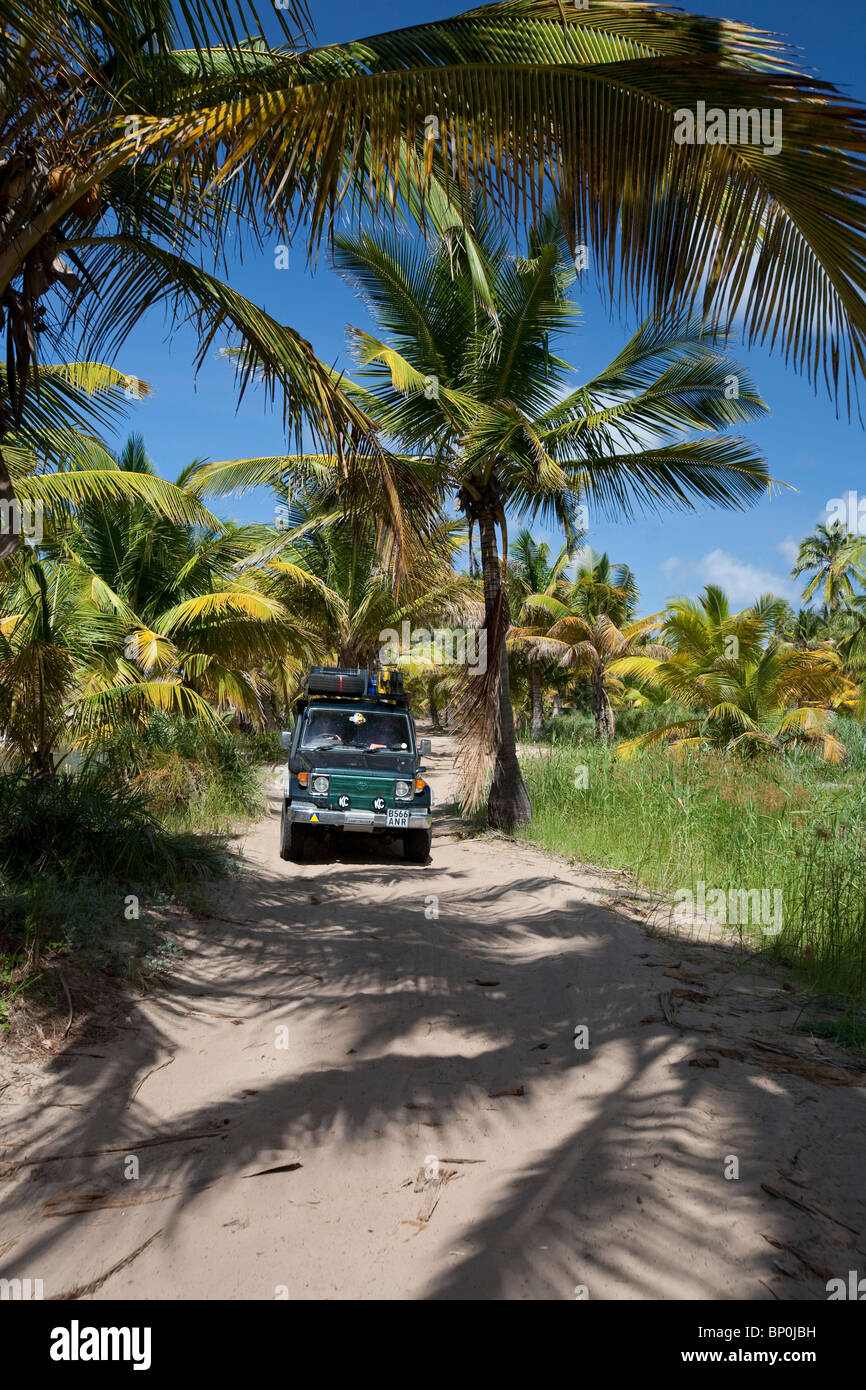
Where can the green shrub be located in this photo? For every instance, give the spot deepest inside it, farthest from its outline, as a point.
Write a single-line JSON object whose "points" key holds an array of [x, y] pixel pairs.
{"points": [[191, 776], [88, 824], [84, 864]]}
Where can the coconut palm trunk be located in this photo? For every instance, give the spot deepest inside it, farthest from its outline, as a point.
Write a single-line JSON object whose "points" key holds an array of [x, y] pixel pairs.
{"points": [[433, 710], [536, 705], [269, 713], [509, 803], [605, 721], [9, 537], [42, 756]]}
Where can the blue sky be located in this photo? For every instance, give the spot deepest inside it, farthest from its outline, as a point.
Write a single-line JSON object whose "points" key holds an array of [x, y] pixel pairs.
{"points": [[806, 446]]}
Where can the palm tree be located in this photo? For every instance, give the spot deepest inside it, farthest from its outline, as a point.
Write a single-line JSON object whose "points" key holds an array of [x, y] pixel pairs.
{"points": [[54, 650], [601, 588], [835, 558], [133, 137], [59, 462], [593, 645], [750, 689], [36, 667], [539, 86], [806, 629], [529, 573], [473, 383], [850, 636], [530, 570], [167, 602], [329, 571], [432, 681]]}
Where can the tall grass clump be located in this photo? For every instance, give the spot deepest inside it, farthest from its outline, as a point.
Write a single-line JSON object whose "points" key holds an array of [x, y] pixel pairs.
{"points": [[75, 851], [88, 824], [578, 725], [781, 822]]}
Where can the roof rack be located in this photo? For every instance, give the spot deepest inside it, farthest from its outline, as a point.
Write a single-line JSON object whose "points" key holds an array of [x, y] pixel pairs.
{"points": [[355, 683]]}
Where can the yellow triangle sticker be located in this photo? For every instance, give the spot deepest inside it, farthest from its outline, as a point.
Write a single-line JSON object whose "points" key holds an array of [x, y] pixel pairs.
{"points": [[314, 817]]}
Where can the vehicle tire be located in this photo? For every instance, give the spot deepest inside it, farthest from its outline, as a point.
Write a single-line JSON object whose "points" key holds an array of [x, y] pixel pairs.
{"points": [[293, 839], [416, 846]]}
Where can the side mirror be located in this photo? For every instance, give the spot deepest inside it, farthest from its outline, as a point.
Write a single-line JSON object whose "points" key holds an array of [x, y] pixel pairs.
{"points": [[425, 748], [286, 738]]}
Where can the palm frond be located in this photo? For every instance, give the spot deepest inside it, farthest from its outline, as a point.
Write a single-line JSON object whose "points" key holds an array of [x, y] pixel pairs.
{"points": [[64, 493]]}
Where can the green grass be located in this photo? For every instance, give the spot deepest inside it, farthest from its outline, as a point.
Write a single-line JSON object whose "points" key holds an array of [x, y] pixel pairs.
{"points": [[792, 823], [90, 860], [577, 724]]}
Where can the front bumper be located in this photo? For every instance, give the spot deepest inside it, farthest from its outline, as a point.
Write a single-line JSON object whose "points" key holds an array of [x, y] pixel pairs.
{"points": [[302, 812]]}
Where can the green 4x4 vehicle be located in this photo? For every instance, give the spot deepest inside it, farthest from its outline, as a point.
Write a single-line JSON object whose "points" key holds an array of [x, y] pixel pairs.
{"points": [[355, 764]]}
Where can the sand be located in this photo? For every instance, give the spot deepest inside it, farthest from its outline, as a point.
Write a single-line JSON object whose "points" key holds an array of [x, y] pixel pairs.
{"points": [[364, 1028]]}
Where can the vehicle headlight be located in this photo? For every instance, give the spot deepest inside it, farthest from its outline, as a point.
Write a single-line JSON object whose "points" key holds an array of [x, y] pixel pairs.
{"points": [[320, 785], [402, 790]]}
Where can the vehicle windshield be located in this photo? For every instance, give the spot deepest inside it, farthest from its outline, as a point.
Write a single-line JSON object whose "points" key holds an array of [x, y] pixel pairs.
{"points": [[362, 731]]}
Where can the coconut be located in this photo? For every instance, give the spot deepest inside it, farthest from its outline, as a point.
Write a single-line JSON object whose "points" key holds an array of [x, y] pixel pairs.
{"points": [[87, 204], [61, 179]]}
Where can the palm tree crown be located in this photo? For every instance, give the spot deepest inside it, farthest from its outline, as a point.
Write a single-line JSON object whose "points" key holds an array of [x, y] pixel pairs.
{"points": [[835, 558], [469, 376], [749, 688]]}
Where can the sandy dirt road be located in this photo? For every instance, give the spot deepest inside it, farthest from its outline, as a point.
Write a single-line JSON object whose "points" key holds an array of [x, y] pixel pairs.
{"points": [[411, 1001]]}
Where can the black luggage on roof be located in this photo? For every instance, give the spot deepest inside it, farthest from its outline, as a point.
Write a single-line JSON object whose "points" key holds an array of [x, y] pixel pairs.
{"points": [[354, 684], [335, 680]]}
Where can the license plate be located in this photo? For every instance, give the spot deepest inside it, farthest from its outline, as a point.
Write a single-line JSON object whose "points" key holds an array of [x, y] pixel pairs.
{"points": [[399, 819]]}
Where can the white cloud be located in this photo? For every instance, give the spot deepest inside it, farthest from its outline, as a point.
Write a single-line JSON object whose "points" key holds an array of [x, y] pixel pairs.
{"points": [[741, 581], [788, 549], [670, 564]]}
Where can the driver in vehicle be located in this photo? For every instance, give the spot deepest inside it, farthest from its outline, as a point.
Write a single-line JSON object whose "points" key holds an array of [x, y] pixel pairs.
{"points": [[377, 732], [327, 728], [361, 731]]}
